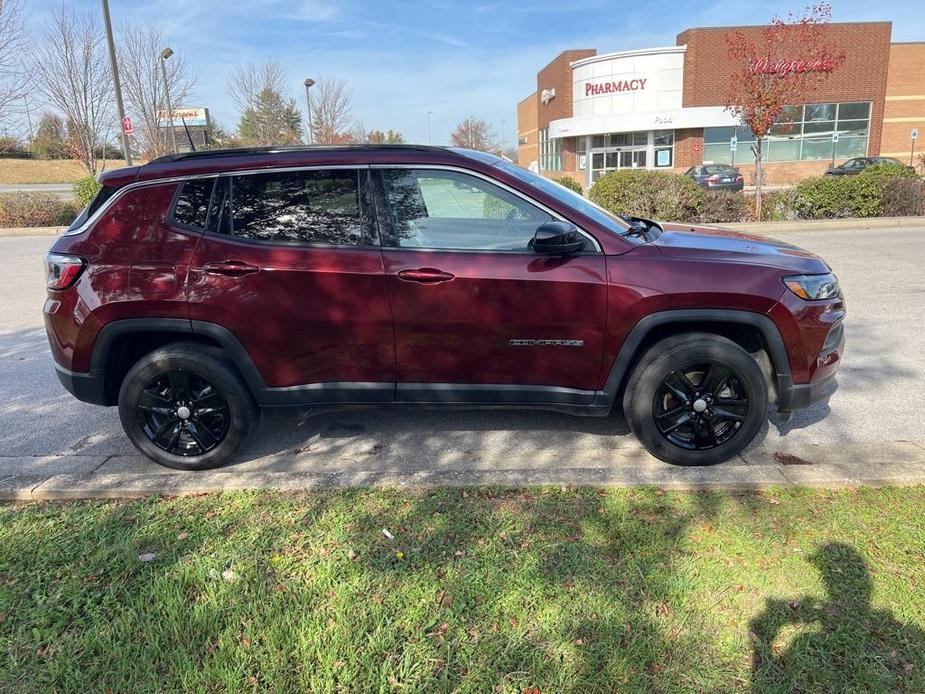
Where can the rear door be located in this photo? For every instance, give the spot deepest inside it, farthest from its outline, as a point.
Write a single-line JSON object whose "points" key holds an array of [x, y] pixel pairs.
{"points": [[291, 266], [474, 305]]}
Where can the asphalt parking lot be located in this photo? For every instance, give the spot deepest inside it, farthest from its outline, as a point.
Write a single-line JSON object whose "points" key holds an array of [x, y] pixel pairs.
{"points": [[875, 415]]}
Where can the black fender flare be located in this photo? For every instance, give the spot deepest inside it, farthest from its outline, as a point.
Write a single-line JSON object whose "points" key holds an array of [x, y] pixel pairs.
{"points": [[102, 346], [777, 352]]}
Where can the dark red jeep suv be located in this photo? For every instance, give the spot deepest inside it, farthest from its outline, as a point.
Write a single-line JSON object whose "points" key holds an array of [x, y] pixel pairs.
{"points": [[200, 287]]}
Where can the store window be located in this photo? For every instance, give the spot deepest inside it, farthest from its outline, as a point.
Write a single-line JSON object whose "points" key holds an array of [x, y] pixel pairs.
{"points": [[663, 140], [550, 152], [802, 133], [581, 151]]}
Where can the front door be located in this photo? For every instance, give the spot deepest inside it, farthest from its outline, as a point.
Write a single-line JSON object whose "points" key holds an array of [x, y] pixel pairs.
{"points": [[291, 266], [478, 315]]}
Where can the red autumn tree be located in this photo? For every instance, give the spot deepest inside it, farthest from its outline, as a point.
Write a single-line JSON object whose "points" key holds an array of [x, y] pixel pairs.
{"points": [[779, 65]]}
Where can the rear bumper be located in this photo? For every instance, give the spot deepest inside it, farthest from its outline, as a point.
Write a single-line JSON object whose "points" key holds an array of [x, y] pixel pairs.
{"points": [[83, 386], [728, 187]]}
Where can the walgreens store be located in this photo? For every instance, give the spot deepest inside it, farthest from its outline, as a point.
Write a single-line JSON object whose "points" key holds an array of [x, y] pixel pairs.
{"points": [[663, 108]]}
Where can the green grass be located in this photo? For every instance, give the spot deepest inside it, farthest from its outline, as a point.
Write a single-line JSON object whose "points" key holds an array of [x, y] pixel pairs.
{"points": [[548, 590]]}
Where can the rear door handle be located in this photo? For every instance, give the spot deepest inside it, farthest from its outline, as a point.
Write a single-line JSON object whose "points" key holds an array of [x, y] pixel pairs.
{"points": [[230, 268], [425, 275]]}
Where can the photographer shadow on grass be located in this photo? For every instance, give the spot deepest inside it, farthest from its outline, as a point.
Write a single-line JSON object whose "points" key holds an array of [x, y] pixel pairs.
{"points": [[838, 643]]}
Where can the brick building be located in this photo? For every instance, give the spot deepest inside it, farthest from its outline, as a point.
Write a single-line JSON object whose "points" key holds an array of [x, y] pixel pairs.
{"points": [[663, 108]]}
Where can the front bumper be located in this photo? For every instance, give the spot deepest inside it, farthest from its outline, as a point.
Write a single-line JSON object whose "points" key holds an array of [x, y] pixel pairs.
{"points": [[803, 395], [798, 396]]}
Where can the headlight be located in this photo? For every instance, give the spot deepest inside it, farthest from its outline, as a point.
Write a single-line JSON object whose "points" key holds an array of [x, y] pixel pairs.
{"points": [[812, 287]]}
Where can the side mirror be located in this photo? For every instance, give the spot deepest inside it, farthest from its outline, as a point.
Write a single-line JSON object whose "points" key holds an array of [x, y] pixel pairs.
{"points": [[557, 238]]}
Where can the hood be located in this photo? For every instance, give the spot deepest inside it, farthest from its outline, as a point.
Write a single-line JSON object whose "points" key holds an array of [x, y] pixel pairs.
{"points": [[708, 243]]}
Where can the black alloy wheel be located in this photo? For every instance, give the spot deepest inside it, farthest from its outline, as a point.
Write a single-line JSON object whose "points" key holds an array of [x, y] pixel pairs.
{"points": [[696, 399], [185, 406], [182, 413], [700, 406]]}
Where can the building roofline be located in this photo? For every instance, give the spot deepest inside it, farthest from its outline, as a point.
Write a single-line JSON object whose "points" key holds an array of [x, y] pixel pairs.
{"points": [[762, 26], [629, 54]]}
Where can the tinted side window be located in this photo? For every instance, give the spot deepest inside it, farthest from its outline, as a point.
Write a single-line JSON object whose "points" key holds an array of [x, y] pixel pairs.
{"points": [[192, 207], [450, 210], [300, 207], [105, 192]]}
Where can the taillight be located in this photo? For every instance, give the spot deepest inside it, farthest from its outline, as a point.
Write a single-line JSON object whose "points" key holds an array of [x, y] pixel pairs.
{"points": [[62, 270], [739, 178]]}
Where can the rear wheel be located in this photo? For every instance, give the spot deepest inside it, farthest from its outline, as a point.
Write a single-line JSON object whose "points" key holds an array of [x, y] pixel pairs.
{"points": [[696, 399], [185, 407]]}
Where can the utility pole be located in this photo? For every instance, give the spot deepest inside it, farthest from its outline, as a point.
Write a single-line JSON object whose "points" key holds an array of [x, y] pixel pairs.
{"points": [[428, 126], [166, 53], [309, 82], [115, 83]]}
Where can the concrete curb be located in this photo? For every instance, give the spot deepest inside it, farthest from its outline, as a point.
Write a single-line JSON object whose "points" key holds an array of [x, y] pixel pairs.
{"points": [[900, 463], [773, 228], [31, 231]]}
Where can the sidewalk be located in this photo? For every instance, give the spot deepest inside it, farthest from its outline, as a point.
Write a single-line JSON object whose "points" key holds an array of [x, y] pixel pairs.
{"points": [[900, 463]]}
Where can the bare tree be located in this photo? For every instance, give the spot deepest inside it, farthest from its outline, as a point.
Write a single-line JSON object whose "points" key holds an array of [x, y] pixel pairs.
{"points": [[12, 83], [332, 110], [143, 84], [473, 133], [72, 71], [268, 117]]}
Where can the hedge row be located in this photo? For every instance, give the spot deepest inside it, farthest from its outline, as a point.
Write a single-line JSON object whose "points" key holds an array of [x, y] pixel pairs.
{"points": [[880, 191], [667, 196], [35, 210]]}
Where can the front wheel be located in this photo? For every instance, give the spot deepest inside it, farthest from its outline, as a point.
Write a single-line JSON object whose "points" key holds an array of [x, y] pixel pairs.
{"points": [[184, 406], [696, 399]]}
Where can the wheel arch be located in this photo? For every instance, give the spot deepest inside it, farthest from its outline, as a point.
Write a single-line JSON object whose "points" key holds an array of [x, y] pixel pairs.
{"points": [[122, 343], [754, 332]]}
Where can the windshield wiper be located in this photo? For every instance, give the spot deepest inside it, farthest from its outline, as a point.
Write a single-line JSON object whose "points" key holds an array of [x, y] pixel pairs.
{"points": [[640, 226]]}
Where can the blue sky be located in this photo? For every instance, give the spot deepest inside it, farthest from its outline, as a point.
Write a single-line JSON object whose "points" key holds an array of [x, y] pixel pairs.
{"points": [[455, 58]]}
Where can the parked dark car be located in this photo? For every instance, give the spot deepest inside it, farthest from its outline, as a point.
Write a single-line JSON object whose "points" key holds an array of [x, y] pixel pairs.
{"points": [[201, 287], [716, 177], [853, 167]]}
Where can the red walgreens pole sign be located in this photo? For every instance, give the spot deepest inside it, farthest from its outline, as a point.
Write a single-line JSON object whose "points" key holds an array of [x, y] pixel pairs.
{"points": [[127, 126]]}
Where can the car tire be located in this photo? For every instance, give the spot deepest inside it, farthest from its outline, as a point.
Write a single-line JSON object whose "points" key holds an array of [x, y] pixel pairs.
{"points": [[185, 407], [704, 418]]}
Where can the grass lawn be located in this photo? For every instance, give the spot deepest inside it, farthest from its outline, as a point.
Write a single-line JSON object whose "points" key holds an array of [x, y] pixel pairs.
{"points": [[540, 590], [22, 171]]}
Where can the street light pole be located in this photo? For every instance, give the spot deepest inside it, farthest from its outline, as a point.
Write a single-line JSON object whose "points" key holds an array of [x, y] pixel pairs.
{"points": [[166, 53], [29, 121], [309, 82], [428, 126], [113, 61]]}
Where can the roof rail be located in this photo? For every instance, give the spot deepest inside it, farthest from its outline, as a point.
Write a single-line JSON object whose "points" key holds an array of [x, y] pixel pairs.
{"points": [[239, 151]]}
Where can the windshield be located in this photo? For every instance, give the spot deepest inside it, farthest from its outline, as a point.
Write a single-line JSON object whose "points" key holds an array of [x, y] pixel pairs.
{"points": [[568, 197]]}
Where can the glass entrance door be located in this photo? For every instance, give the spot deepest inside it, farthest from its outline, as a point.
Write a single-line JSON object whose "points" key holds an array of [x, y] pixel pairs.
{"points": [[618, 151]]}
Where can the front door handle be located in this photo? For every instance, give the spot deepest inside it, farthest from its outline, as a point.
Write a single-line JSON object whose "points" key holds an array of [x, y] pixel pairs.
{"points": [[230, 268], [425, 275]]}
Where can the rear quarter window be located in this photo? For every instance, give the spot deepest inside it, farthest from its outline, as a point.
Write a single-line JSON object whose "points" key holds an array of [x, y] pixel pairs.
{"points": [[96, 203], [191, 208]]}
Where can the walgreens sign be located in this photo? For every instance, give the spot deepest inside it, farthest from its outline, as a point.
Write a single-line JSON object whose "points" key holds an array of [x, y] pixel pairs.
{"points": [[796, 66], [615, 87]]}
